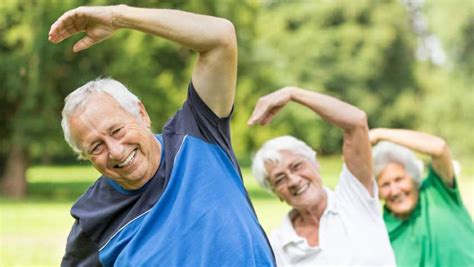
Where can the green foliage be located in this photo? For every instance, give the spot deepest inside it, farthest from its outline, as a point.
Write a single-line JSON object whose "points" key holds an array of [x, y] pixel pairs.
{"points": [[39, 74], [359, 51], [448, 107]]}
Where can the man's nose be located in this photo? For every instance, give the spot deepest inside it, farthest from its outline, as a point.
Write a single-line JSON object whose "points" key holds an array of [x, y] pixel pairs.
{"points": [[116, 150], [293, 179]]}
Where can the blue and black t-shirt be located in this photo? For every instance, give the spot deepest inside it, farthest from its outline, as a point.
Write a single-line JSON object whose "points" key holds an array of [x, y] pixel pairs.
{"points": [[193, 212]]}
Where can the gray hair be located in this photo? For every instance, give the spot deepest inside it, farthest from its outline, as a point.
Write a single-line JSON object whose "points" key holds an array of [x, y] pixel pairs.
{"points": [[386, 152], [79, 97], [270, 152]]}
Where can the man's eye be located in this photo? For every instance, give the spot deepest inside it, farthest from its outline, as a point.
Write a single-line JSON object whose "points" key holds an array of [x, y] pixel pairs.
{"points": [[115, 132], [97, 149], [279, 180], [297, 166]]}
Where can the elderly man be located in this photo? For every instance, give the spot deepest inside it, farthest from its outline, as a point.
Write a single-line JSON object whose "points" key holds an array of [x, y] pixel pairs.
{"points": [[426, 219], [340, 228], [175, 199]]}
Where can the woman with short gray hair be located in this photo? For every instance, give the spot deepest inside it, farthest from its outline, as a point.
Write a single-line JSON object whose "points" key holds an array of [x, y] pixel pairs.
{"points": [[426, 220], [343, 227]]}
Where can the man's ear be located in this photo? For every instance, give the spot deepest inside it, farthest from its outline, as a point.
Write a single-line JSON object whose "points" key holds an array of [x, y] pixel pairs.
{"points": [[144, 115], [276, 194]]}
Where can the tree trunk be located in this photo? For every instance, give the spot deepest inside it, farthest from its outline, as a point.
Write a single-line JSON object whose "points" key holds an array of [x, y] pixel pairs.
{"points": [[14, 176]]}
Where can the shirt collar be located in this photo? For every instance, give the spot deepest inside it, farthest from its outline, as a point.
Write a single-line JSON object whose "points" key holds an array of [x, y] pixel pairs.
{"points": [[288, 235], [331, 203]]}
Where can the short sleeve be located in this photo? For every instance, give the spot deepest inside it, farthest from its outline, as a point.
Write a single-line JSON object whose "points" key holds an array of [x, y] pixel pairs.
{"points": [[195, 118], [354, 196], [80, 250], [434, 185]]}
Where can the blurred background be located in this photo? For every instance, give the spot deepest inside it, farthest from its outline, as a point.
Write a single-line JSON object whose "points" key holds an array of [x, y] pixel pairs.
{"points": [[408, 64]]}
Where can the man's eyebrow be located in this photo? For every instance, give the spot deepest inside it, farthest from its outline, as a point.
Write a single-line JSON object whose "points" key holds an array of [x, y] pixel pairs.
{"points": [[278, 174], [91, 145], [296, 162], [112, 127]]}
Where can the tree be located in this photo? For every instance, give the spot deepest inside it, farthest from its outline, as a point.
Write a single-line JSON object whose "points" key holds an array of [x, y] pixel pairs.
{"points": [[39, 75], [359, 51]]}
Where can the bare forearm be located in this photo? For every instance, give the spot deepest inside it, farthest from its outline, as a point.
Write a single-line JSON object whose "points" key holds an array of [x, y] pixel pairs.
{"points": [[198, 32], [356, 147], [331, 109], [421, 142]]}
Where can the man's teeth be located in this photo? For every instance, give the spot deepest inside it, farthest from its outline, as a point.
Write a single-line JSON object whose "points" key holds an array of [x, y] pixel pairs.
{"points": [[301, 190], [129, 160]]}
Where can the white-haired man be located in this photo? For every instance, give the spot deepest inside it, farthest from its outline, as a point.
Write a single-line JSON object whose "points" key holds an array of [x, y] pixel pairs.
{"points": [[427, 222], [340, 228], [174, 199]]}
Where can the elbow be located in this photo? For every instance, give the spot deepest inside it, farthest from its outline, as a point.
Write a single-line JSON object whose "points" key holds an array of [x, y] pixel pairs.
{"points": [[227, 37], [442, 147], [360, 120]]}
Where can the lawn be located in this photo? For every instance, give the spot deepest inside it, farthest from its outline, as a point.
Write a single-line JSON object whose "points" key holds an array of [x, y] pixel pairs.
{"points": [[33, 231]]}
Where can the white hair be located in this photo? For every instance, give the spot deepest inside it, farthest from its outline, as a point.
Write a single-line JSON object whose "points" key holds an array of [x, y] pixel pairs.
{"points": [[270, 152], [386, 152], [79, 98]]}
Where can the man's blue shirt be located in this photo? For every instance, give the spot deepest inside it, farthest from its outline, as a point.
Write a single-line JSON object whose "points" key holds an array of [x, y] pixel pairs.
{"points": [[195, 211]]}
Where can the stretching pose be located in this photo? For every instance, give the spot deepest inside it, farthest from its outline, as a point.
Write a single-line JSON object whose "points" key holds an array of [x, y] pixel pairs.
{"points": [[343, 227], [426, 220], [174, 199]]}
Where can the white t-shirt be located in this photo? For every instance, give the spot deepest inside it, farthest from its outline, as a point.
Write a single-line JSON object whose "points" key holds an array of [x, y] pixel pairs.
{"points": [[351, 231]]}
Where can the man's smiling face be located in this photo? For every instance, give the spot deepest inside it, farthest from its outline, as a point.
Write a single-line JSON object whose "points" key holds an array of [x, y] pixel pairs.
{"points": [[120, 145]]}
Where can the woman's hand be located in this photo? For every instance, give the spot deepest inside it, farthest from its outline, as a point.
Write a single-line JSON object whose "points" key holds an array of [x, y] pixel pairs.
{"points": [[268, 106]]}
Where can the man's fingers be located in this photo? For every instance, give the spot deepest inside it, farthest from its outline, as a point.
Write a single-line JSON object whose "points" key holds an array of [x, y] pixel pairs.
{"points": [[82, 44], [251, 121], [257, 114], [62, 34], [66, 26]]}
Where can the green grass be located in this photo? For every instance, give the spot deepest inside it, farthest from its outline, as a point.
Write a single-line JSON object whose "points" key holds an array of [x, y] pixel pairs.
{"points": [[33, 231]]}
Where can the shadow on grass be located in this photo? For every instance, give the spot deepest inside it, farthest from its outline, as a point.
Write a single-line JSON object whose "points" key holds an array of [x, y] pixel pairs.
{"points": [[57, 192]]}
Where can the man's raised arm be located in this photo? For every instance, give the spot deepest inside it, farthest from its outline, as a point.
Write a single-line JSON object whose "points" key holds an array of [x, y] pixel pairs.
{"points": [[214, 76]]}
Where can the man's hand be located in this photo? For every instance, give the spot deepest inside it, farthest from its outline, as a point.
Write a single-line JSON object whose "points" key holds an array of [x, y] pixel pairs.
{"points": [[268, 106], [96, 22]]}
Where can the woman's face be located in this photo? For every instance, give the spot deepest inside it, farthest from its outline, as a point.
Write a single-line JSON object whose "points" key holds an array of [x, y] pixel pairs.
{"points": [[398, 189], [296, 180]]}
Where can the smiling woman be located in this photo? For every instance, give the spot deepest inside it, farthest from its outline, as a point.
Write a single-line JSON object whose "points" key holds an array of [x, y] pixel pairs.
{"points": [[398, 189], [427, 222], [296, 180], [324, 227]]}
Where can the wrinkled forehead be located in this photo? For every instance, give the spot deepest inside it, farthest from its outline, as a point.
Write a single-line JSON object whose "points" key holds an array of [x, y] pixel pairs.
{"points": [[392, 170], [282, 159], [96, 116]]}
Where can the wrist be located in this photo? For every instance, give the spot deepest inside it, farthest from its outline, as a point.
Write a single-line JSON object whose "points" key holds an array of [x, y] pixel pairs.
{"points": [[291, 92], [118, 18]]}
